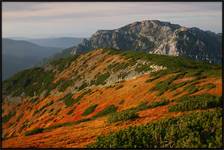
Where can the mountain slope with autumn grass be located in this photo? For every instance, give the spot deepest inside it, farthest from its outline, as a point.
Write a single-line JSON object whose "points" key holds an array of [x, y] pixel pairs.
{"points": [[110, 98]]}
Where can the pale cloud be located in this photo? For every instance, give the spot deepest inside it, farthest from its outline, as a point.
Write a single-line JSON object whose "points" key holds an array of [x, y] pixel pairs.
{"points": [[84, 18]]}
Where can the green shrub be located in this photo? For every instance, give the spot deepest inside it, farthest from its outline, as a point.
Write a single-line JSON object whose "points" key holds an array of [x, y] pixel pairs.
{"points": [[66, 124], [191, 88], [89, 110], [166, 85], [109, 109], [77, 100], [160, 103], [64, 84], [83, 120], [141, 106], [195, 130], [157, 75], [122, 116], [194, 72], [118, 66], [176, 86], [101, 79], [34, 100], [144, 105], [7, 117], [68, 100], [142, 68], [204, 101], [58, 126], [209, 86], [34, 131], [197, 78], [43, 107]]}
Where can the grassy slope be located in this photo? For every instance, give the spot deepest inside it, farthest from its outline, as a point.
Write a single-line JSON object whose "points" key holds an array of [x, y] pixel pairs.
{"points": [[51, 112]]}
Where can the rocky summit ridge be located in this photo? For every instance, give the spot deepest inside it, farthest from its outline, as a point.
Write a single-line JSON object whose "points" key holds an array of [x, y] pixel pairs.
{"points": [[157, 37]]}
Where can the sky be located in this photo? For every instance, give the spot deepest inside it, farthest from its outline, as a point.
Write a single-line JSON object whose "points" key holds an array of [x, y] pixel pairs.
{"points": [[82, 19]]}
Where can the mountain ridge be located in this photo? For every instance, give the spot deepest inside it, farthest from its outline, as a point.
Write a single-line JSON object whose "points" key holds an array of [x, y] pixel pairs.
{"points": [[157, 37]]}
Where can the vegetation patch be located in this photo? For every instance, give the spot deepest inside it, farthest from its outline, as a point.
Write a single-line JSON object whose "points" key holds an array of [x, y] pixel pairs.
{"points": [[176, 86], [89, 110], [66, 124], [195, 130], [142, 68], [208, 86], [34, 100], [101, 79], [118, 66], [204, 101], [144, 105], [68, 100], [77, 100], [34, 131], [168, 84], [191, 89], [122, 116], [63, 63], [83, 120], [141, 106], [157, 75], [59, 125], [64, 84], [193, 72], [160, 103], [30, 82], [109, 109], [7, 117], [43, 107]]}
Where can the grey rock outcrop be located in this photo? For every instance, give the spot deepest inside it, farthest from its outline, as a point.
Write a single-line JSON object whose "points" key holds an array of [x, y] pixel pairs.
{"points": [[158, 37]]}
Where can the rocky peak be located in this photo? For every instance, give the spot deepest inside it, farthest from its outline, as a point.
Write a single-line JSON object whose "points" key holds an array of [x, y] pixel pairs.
{"points": [[158, 37]]}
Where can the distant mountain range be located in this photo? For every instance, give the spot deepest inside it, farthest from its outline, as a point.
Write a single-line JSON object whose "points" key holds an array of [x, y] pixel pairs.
{"points": [[21, 54], [157, 37], [60, 42]]}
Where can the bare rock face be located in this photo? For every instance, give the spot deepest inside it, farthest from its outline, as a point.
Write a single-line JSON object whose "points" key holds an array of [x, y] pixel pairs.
{"points": [[158, 37]]}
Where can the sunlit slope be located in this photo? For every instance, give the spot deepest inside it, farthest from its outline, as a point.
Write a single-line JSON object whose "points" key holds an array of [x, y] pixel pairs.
{"points": [[70, 102]]}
